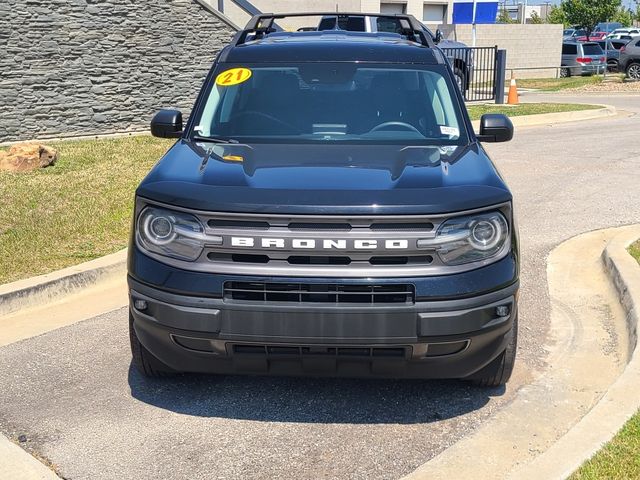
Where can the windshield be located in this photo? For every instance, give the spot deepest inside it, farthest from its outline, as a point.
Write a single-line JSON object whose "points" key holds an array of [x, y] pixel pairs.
{"points": [[332, 102]]}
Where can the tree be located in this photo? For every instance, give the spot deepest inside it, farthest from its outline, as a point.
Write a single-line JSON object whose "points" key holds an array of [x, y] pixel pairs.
{"points": [[623, 16], [504, 17], [535, 18], [557, 15], [588, 13]]}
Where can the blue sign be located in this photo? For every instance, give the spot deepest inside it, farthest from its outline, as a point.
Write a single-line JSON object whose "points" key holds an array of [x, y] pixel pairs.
{"points": [[486, 12]]}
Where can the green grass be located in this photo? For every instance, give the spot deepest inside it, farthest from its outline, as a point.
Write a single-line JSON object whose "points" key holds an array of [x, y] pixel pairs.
{"points": [[75, 211], [620, 458], [557, 84], [634, 250], [476, 111]]}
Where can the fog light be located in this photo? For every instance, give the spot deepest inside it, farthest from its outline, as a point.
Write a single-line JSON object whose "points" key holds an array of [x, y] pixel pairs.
{"points": [[140, 304], [502, 310]]}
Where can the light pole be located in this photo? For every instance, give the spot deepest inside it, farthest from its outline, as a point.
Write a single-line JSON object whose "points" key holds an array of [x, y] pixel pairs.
{"points": [[473, 25]]}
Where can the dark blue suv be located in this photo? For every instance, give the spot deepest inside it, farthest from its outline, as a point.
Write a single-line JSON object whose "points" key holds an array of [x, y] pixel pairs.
{"points": [[326, 210]]}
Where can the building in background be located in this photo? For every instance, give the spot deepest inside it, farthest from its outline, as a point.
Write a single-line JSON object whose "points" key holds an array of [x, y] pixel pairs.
{"points": [[431, 12], [516, 10]]}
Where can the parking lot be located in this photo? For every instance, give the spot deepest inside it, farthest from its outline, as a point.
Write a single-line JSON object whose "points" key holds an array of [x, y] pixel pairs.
{"points": [[74, 397]]}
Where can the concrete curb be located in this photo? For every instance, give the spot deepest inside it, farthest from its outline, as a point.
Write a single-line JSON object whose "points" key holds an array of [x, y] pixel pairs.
{"points": [[16, 464], [621, 401], [51, 286], [625, 275], [561, 117]]}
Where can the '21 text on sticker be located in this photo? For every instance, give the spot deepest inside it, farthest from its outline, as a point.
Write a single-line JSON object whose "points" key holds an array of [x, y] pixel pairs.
{"points": [[233, 76]]}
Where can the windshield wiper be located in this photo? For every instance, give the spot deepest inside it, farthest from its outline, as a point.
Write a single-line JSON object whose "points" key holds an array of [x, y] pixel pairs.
{"points": [[202, 138]]}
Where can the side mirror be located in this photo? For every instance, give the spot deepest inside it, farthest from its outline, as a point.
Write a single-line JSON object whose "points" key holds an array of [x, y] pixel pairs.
{"points": [[167, 124], [495, 127], [439, 36]]}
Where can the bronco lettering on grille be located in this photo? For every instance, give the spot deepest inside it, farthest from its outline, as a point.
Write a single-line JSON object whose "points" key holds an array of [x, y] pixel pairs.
{"points": [[323, 244]]}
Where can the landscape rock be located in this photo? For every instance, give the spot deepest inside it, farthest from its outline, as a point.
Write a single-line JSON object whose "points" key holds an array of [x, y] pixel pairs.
{"points": [[27, 157]]}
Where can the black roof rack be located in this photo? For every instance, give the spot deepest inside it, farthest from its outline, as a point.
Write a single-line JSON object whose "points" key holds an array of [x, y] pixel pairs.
{"points": [[264, 23]]}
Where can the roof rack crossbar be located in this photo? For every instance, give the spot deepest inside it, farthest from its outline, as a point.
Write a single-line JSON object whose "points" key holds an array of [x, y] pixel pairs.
{"points": [[264, 24]]}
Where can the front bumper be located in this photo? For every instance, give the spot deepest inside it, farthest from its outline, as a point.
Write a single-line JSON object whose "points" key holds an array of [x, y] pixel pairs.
{"points": [[451, 338]]}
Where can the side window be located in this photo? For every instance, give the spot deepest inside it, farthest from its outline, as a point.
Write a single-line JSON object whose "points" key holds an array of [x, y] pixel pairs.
{"points": [[388, 25], [327, 24], [569, 49], [638, 43], [442, 105], [438, 110]]}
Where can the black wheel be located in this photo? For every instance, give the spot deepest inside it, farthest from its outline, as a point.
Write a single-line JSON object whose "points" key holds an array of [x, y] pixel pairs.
{"points": [[460, 80], [498, 372], [565, 72], [143, 359], [633, 71], [612, 66]]}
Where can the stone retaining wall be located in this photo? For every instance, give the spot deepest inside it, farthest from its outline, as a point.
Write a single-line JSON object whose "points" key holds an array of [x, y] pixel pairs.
{"points": [[83, 67]]}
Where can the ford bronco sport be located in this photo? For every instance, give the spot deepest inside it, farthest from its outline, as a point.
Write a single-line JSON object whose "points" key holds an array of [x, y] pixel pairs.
{"points": [[327, 209]]}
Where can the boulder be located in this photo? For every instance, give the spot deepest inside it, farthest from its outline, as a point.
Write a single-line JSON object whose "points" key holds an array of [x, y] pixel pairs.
{"points": [[25, 157]]}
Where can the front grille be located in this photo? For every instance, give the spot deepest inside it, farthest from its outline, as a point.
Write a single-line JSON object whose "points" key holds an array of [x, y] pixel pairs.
{"points": [[403, 294], [323, 246]]}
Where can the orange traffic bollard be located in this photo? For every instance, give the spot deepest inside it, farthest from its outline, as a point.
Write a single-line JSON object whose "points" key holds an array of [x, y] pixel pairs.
{"points": [[513, 91]]}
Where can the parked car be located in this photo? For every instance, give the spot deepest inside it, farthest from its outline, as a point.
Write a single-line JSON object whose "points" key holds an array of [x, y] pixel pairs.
{"points": [[570, 34], [582, 58], [607, 27], [622, 32], [327, 209], [461, 58], [593, 36], [629, 61], [612, 49]]}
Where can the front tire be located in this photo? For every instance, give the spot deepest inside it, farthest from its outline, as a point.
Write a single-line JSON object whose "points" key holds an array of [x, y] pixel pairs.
{"points": [[565, 72], [460, 80], [633, 71], [498, 372], [146, 363]]}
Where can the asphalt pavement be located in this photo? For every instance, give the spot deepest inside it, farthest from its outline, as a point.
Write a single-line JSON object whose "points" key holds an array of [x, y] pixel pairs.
{"points": [[74, 400]]}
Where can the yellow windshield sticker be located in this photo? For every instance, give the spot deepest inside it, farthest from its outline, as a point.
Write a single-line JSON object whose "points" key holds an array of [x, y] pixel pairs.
{"points": [[233, 76]]}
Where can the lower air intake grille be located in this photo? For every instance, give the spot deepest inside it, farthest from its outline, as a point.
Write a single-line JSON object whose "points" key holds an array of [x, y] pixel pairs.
{"points": [[319, 293], [320, 350]]}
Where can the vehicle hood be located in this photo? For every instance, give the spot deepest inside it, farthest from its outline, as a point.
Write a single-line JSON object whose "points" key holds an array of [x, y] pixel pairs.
{"points": [[324, 179]]}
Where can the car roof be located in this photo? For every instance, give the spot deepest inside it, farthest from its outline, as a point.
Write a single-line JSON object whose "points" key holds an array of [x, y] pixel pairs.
{"points": [[332, 45]]}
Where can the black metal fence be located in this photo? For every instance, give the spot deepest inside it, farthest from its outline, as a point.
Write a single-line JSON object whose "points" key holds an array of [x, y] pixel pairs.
{"points": [[479, 72]]}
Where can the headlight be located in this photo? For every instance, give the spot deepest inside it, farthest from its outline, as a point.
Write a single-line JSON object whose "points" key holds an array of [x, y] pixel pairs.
{"points": [[470, 239], [173, 234]]}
